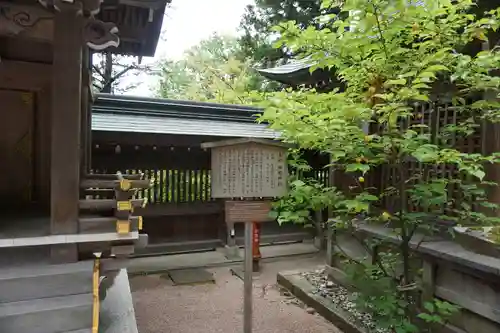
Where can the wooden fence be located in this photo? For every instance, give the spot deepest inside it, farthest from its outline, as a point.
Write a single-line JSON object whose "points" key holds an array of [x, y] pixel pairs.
{"points": [[184, 186]]}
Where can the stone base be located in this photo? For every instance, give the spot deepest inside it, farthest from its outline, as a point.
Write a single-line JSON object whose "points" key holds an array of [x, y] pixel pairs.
{"points": [[232, 252], [319, 243], [240, 272]]}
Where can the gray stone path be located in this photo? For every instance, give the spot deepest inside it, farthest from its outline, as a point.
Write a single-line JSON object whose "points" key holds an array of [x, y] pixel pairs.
{"points": [[162, 307]]}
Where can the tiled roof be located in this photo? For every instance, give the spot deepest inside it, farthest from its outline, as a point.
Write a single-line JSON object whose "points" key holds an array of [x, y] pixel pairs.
{"points": [[116, 113]]}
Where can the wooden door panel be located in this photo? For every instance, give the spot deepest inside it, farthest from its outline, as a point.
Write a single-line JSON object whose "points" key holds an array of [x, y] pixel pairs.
{"points": [[16, 147]]}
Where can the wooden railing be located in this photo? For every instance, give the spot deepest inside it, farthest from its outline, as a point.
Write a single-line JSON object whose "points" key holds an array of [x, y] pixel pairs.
{"points": [[172, 186]]}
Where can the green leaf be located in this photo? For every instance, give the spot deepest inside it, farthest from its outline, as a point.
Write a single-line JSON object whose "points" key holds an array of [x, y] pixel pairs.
{"points": [[421, 86], [397, 82], [423, 98], [357, 167], [273, 214], [429, 306], [298, 183], [437, 68], [408, 74], [425, 153], [425, 317], [427, 75], [480, 174]]}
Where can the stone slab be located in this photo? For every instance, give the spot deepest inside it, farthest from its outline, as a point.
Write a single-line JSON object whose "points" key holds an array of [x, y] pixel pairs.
{"points": [[191, 276], [240, 272], [66, 239], [116, 314], [171, 248], [232, 252], [56, 314], [45, 282]]}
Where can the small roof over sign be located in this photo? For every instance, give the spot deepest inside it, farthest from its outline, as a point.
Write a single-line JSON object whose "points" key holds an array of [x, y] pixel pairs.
{"points": [[233, 142]]}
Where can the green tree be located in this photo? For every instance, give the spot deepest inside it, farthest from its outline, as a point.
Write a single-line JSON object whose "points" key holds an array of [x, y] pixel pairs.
{"points": [[215, 70], [258, 19], [393, 59]]}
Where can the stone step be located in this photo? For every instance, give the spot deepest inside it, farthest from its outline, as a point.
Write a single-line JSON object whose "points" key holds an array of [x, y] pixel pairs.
{"points": [[85, 330], [33, 282], [47, 315], [66, 239]]}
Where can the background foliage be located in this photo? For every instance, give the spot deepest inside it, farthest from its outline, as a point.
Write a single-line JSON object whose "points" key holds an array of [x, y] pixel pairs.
{"points": [[394, 59]]}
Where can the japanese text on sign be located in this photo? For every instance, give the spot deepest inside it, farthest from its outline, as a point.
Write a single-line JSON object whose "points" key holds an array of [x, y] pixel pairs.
{"points": [[248, 171]]}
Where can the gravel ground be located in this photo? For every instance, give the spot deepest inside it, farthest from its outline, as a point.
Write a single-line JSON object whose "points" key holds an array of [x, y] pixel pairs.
{"points": [[163, 308], [340, 296]]}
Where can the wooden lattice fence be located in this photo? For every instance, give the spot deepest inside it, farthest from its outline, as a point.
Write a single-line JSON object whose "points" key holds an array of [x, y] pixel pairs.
{"points": [[437, 118]]}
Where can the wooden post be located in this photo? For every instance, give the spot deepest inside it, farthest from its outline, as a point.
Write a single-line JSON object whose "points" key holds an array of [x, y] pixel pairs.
{"points": [[319, 239], [256, 246], [428, 280], [65, 140], [329, 230], [247, 282], [84, 121], [89, 113]]}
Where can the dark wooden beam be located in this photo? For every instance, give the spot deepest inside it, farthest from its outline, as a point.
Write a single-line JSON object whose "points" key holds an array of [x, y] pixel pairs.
{"points": [[65, 140], [105, 204], [151, 139], [115, 184], [103, 176], [130, 159], [18, 75], [104, 224]]}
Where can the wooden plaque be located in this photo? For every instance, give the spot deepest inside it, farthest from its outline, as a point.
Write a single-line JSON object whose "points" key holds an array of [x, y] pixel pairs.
{"points": [[248, 169], [247, 211]]}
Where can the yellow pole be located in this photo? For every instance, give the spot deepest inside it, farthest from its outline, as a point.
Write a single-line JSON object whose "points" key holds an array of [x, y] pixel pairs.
{"points": [[95, 294]]}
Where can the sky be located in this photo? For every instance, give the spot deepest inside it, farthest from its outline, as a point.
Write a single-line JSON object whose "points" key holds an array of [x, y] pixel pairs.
{"points": [[185, 24]]}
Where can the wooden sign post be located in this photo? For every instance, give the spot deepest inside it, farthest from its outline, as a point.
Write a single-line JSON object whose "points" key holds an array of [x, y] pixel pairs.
{"points": [[253, 171]]}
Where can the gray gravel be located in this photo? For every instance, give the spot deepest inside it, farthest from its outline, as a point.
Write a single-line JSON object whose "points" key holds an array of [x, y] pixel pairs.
{"points": [[340, 296], [161, 307]]}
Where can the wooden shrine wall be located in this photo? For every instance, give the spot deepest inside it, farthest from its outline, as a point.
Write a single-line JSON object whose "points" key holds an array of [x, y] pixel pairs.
{"points": [[25, 101]]}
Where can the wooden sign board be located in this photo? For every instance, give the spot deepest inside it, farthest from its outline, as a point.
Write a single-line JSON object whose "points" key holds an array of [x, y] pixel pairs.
{"points": [[247, 211], [248, 168]]}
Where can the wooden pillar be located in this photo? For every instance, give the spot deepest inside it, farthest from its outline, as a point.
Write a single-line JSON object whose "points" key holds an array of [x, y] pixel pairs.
{"points": [[89, 113], [85, 101], [65, 141]]}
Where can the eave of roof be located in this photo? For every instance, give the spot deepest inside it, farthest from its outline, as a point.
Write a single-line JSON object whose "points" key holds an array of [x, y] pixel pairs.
{"points": [[134, 105], [139, 24], [131, 114], [296, 73], [289, 68], [177, 126]]}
